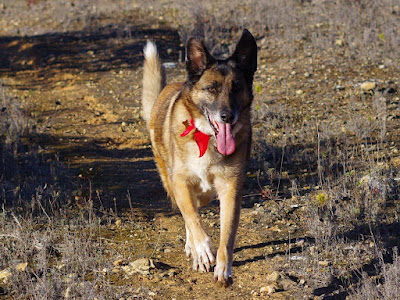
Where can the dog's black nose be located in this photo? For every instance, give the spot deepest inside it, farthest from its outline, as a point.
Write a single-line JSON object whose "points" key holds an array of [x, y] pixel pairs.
{"points": [[226, 116]]}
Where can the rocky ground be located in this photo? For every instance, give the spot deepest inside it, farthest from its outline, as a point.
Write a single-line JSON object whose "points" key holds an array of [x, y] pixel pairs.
{"points": [[82, 88]]}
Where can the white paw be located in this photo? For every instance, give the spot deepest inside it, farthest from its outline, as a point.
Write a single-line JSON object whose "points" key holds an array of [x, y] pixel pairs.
{"points": [[204, 256], [223, 274], [202, 253]]}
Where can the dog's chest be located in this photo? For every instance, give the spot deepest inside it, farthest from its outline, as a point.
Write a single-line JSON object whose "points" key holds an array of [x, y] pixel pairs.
{"points": [[203, 170]]}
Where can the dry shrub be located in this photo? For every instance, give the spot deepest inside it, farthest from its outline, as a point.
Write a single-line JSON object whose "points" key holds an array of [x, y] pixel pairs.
{"points": [[386, 286], [366, 29]]}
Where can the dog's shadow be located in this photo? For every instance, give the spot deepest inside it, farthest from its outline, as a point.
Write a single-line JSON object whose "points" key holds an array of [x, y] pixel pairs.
{"points": [[290, 250]]}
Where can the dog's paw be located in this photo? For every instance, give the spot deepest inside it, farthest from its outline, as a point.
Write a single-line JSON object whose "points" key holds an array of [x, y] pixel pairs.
{"points": [[223, 275], [203, 255]]}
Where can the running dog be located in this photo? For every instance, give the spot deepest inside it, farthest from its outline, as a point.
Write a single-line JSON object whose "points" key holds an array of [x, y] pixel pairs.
{"points": [[200, 132]]}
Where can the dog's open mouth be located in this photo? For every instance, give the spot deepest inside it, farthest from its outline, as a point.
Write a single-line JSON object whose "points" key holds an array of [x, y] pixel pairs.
{"points": [[223, 133]]}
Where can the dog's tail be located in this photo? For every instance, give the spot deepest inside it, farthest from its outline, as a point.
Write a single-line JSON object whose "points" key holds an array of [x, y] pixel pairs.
{"points": [[153, 79]]}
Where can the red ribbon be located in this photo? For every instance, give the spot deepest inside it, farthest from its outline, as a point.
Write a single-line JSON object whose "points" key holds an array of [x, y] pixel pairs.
{"points": [[200, 138]]}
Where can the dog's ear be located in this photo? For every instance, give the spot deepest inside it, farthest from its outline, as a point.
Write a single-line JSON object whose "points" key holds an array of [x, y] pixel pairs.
{"points": [[197, 58], [245, 54]]}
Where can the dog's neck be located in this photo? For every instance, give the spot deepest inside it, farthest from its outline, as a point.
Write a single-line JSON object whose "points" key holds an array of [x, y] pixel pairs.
{"points": [[200, 138]]}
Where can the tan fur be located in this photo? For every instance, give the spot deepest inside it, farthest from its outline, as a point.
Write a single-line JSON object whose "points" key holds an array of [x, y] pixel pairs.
{"points": [[192, 181]]}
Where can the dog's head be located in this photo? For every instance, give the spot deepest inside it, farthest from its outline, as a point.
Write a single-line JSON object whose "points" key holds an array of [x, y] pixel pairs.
{"points": [[222, 89]]}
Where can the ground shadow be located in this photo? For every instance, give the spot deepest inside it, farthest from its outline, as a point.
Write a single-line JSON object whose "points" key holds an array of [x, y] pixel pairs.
{"points": [[290, 250], [110, 47]]}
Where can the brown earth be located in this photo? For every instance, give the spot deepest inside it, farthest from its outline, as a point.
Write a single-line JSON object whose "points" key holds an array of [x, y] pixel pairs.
{"points": [[83, 90]]}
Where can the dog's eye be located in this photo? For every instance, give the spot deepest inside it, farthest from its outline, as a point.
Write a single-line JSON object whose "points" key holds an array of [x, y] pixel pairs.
{"points": [[212, 89]]}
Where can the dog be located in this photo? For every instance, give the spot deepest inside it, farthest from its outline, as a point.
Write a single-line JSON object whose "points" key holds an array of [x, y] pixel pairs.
{"points": [[200, 132]]}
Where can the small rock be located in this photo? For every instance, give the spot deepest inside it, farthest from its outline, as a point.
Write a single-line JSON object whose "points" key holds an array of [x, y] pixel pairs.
{"points": [[141, 266], [324, 263], [169, 65], [21, 267], [367, 86], [299, 92], [297, 258], [287, 284], [269, 289], [273, 277], [120, 262], [339, 42], [275, 228], [5, 274]]}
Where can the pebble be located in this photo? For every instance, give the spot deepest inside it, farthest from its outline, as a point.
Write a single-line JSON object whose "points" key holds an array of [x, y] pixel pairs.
{"points": [[324, 263], [339, 42], [21, 267], [169, 65], [141, 266], [273, 277], [269, 289], [119, 262], [368, 85], [5, 274], [287, 284]]}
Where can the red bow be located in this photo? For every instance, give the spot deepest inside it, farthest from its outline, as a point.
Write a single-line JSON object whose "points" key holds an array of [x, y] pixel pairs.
{"points": [[200, 138]]}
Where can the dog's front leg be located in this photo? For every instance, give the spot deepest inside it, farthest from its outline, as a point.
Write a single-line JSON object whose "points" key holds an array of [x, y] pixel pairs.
{"points": [[198, 242], [230, 204]]}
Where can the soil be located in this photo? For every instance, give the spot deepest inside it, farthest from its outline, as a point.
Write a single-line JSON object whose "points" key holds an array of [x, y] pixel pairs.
{"points": [[83, 90]]}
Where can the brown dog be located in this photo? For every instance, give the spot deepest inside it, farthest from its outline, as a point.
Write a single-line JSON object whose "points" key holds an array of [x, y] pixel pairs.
{"points": [[201, 135]]}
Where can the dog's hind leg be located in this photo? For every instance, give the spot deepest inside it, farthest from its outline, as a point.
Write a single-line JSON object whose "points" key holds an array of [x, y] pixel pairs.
{"points": [[198, 242]]}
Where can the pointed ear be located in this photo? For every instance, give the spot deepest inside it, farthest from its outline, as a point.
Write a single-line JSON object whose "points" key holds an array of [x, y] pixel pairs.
{"points": [[245, 54], [197, 57]]}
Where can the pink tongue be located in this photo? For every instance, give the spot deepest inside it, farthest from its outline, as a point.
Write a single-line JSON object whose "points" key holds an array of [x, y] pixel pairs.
{"points": [[225, 141]]}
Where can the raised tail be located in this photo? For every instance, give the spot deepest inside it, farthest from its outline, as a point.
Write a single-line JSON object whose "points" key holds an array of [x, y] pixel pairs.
{"points": [[153, 79]]}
